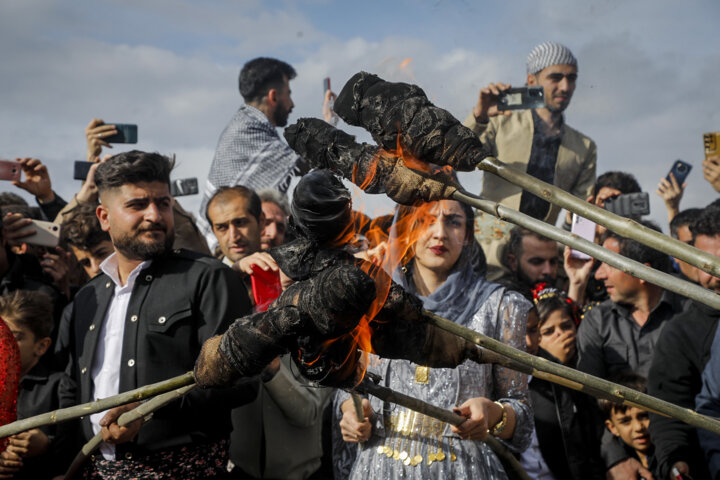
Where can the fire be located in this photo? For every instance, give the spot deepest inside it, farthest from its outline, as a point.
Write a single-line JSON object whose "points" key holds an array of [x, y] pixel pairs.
{"points": [[390, 253], [405, 63]]}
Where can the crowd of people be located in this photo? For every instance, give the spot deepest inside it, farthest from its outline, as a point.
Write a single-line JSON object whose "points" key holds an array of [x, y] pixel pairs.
{"points": [[137, 285]]}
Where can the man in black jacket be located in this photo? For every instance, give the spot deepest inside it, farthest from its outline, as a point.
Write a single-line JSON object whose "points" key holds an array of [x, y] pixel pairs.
{"points": [[681, 353], [143, 320]]}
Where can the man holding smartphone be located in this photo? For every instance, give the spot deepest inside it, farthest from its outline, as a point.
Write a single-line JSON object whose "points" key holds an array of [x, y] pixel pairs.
{"points": [[536, 141]]}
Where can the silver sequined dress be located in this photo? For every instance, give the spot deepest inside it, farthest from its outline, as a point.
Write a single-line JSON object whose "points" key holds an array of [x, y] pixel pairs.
{"points": [[429, 446]]}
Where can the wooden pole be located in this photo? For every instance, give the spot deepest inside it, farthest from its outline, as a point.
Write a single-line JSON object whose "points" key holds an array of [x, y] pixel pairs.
{"points": [[70, 413], [632, 267], [126, 418], [620, 225], [511, 464], [571, 378]]}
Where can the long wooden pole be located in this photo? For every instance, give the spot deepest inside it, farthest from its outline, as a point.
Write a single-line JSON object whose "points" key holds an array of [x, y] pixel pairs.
{"points": [[620, 225], [571, 378], [632, 267], [392, 396], [70, 413], [141, 411]]}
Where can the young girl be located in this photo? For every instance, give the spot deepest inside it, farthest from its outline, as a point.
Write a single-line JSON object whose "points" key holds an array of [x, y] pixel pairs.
{"points": [[565, 443]]}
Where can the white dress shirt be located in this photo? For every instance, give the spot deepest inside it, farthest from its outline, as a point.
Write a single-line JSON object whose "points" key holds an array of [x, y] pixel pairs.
{"points": [[106, 362]]}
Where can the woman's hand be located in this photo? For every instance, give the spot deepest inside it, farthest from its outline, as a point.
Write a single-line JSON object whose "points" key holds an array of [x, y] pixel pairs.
{"points": [[481, 413], [354, 431]]}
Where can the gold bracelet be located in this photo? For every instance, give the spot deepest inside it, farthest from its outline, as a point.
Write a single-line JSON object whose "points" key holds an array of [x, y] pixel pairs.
{"points": [[500, 426]]}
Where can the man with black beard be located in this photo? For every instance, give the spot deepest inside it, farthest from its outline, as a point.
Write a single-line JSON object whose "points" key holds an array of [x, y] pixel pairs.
{"points": [[531, 258], [143, 320], [250, 151]]}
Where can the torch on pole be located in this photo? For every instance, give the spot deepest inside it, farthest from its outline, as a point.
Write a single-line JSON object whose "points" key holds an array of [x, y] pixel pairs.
{"points": [[620, 225], [141, 411], [507, 356], [632, 267], [511, 464]]}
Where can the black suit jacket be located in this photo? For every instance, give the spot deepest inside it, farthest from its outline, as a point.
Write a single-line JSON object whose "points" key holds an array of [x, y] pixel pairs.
{"points": [[177, 303]]}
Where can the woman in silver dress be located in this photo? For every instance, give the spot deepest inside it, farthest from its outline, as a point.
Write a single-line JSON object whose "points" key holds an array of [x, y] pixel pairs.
{"points": [[446, 272]]}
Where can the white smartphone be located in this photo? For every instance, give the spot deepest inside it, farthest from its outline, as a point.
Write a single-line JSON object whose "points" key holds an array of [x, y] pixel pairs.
{"points": [[47, 234], [584, 228]]}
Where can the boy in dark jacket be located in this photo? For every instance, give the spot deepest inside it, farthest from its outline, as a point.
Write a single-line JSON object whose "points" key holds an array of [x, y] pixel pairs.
{"points": [[630, 425]]}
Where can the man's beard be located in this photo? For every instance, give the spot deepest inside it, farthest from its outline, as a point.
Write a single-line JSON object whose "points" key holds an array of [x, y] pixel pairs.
{"points": [[134, 248], [280, 116], [527, 281]]}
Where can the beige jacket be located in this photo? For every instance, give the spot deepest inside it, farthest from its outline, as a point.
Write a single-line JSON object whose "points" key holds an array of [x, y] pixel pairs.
{"points": [[511, 141]]}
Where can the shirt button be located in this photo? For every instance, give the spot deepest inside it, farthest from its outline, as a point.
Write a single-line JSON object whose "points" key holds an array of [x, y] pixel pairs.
{"points": [[133, 318], [92, 327], [131, 363], [148, 278], [161, 320], [83, 370], [107, 285]]}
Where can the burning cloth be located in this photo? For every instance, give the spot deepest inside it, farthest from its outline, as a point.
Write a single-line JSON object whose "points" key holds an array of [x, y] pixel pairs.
{"points": [[339, 304]]}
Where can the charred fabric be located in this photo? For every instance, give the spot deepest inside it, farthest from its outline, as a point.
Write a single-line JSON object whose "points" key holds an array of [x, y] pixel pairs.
{"points": [[318, 319]]}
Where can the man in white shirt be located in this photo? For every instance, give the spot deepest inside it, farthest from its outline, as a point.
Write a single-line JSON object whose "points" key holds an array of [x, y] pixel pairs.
{"points": [[143, 320]]}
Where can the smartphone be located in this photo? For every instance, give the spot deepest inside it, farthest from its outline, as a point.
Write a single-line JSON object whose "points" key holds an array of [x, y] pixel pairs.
{"points": [[681, 170], [81, 169], [184, 186], [630, 205], [127, 133], [47, 234], [266, 287], [521, 98], [711, 142], [583, 228], [10, 170], [326, 84]]}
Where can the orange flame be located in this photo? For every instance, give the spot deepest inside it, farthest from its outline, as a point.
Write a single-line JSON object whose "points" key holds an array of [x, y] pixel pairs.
{"points": [[409, 224], [405, 63]]}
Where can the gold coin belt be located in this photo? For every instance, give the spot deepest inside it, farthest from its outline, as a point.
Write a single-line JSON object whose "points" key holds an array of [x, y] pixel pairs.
{"points": [[405, 434]]}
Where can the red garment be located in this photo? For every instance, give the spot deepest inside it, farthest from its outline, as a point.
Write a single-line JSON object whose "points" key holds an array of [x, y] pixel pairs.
{"points": [[9, 377]]}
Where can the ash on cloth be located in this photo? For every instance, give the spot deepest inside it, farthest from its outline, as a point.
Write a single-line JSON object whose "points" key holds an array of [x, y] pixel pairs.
{"points": [[339, 304]]}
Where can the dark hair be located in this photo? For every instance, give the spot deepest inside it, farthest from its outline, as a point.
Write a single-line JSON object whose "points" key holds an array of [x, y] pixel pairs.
{"points": [[224, 194], [32, 310], [81, 228], [260, 75], [707, 223], [640, 252], [548, 304], [131, 168], [625, 182], [629, 380], [685, 218], [514, 244], [9, 198]]}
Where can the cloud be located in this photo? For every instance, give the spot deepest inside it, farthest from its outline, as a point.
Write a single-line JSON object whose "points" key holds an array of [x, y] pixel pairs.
{"points": [[645, 93]]}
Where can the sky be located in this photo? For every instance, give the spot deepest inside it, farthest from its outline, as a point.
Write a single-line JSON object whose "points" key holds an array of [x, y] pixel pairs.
{"points": [[646, 90]]}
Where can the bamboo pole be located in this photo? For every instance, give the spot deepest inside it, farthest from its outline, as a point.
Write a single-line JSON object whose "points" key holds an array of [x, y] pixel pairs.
{"points": [[620, 225], [126, 418], [70, 413], [574, 379], [632, 267], [388, 395]]}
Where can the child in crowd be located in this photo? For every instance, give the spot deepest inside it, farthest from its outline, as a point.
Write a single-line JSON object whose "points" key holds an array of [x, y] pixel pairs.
{"points": [[33, 454], [630, 425], [565, 443]]}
